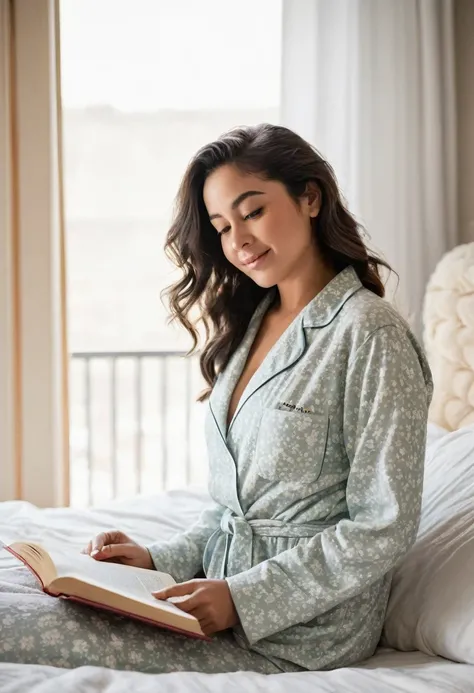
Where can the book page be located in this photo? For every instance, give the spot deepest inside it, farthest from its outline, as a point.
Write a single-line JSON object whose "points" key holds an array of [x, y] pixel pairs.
{"points": [[36, 558], [138, 583], [116, 586], [107, 583]]}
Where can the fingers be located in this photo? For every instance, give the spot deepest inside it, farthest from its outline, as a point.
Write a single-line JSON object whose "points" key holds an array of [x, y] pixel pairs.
{"points": [[191, 597], [201, 612], [207, 627], [189, 604], [101, 540], [206, 620], [198, 608], [181, 589], [88, 548], [110, 551], [187, 596], [98, 543]]}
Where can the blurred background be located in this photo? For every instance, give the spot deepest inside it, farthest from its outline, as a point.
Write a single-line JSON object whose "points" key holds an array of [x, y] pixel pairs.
{"points": [[102, 105], [157, 81]]}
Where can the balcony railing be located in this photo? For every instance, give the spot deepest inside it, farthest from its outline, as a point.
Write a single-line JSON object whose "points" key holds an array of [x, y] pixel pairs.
{"points": [[134, 426]]}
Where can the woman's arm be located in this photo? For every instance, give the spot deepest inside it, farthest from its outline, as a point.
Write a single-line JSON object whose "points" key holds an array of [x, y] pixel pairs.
{"points": [[181, 556], [388, 390]]}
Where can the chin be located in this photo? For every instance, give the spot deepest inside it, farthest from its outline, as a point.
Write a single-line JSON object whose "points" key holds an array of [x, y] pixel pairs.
{"points": [[264, 282]]}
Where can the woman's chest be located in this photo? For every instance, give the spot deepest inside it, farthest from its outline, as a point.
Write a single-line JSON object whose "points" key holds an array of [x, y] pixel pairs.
{"points": [[286, 438], [268, 335]]}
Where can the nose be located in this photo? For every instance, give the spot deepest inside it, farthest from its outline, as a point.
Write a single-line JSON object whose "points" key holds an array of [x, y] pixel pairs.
{"points": [[240, 236]]}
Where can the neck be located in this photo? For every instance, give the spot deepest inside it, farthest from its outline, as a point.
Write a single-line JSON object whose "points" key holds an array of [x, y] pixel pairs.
{"points": [[293, 296]]}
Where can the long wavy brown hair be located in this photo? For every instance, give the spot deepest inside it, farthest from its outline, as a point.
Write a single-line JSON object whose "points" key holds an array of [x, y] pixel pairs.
{"points": [[224, 296]]}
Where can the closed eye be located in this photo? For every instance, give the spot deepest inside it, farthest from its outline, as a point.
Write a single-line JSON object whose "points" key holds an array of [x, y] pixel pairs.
{"points": [[224, 230], [253, 215]]}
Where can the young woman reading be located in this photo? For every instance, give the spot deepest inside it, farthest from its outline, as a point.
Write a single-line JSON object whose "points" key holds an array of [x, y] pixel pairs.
{"points": [[316, 423]]}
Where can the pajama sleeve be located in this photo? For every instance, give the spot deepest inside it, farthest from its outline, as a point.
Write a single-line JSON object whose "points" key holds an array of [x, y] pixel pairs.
{"points": [[385, 404], [181, 556]]}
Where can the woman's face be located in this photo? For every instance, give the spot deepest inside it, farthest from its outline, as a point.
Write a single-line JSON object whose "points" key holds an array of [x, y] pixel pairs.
{"points": [[257, 218]]}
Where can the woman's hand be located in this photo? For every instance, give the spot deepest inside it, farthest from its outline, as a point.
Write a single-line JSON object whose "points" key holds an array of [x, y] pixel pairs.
{"points": [[210, 601], [116, 547]]}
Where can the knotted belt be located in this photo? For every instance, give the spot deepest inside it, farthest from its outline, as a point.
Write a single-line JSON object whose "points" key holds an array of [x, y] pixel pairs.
{"points": [[243, 531]]}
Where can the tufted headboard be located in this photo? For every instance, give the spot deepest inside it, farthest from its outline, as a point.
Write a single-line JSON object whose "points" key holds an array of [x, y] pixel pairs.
{"points": [[448, 319]]}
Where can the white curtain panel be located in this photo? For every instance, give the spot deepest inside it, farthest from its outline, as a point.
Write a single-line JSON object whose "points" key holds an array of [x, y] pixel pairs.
{"points": [[370, 83]]}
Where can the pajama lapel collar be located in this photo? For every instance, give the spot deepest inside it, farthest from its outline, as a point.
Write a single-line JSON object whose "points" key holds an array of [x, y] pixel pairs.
{"points": [[289, 348]]}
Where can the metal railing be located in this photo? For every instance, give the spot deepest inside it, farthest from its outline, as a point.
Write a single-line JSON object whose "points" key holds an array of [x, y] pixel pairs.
{"points": [[169, 418]]}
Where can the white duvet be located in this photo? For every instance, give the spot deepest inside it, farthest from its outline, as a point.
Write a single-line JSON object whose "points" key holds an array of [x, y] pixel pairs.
{"points": [[161, 516]]}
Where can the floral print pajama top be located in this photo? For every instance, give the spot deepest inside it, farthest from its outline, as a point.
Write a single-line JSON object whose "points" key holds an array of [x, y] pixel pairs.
{"points": [[317, 482]]}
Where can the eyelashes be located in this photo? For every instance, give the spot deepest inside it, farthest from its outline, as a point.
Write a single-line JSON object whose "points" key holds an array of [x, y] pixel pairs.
{"points": [[252, 215]]}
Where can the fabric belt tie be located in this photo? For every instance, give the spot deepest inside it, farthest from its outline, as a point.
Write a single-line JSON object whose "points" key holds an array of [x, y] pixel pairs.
{"points": [[243, 530]]}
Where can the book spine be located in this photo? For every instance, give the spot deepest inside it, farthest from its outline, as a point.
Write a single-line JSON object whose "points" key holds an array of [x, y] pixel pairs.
{"points": [[25, 562]]}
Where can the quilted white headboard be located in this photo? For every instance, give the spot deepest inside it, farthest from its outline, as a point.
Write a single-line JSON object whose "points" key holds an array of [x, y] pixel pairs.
{"points": [[448, 319]]}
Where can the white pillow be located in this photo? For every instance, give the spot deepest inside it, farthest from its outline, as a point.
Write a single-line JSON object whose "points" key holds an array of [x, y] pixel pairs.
{"points": [[433, 433], [431, 606]]}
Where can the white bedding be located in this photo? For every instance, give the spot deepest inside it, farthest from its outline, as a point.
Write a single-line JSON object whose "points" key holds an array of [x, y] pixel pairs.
{"points": [[145, 519]]}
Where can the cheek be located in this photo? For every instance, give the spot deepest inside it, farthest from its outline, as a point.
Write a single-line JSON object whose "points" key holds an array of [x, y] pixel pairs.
{"points": [[227, 250], [290, 231], [278, 229]]}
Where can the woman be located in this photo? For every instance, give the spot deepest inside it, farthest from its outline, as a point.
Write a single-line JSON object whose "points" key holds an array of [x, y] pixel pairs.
{"points": [[315, 427]]}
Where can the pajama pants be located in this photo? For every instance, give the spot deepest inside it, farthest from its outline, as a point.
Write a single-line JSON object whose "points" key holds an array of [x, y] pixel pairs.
{"points": [[36, 628]]}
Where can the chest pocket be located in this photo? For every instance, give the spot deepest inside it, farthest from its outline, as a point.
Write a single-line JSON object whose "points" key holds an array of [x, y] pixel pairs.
{"points": [[291, 445]]}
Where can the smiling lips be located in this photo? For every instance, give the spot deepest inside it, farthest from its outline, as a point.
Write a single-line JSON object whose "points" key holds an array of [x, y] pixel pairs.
{"points": [[252, 262]]}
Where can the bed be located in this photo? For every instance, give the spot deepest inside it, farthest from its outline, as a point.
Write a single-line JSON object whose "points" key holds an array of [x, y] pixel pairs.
{"points": [[428, 641], [165, 514]]}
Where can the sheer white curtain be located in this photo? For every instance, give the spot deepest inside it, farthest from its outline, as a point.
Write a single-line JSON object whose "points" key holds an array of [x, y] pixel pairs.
{"points": [[370, 83]]}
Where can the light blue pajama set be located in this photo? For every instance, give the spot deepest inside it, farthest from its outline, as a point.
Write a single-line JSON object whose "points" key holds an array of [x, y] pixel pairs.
{"points": [[316, 488]]}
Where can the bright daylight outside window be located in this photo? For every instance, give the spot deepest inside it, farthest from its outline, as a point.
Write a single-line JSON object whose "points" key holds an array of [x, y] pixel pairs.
{"points": [[145, 83]]}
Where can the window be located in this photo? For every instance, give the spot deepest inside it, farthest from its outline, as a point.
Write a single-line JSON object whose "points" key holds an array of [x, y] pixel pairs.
{"points": [[144, 85]]}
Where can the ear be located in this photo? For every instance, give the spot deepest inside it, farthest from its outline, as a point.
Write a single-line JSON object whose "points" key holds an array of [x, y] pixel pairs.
{"points": [[312, 199]]}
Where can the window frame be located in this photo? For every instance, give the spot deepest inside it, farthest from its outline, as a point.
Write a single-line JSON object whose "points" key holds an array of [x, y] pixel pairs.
{"points": [[34, 364]]}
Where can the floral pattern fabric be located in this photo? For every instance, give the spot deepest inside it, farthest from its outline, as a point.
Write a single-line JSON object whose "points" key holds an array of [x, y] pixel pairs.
{"points": [[317, 481], [38, 629], [316, 488]]}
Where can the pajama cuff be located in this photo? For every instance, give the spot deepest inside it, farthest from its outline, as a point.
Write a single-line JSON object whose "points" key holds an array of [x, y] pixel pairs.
{"points": [[242, 591], [169, 557]]}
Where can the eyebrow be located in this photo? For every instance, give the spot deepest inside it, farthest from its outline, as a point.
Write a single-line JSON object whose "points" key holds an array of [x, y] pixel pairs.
{"points": [[238, 201]]}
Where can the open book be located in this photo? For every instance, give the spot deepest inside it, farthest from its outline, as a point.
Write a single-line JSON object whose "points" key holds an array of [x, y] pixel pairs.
{"points": [[112, 586]]}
